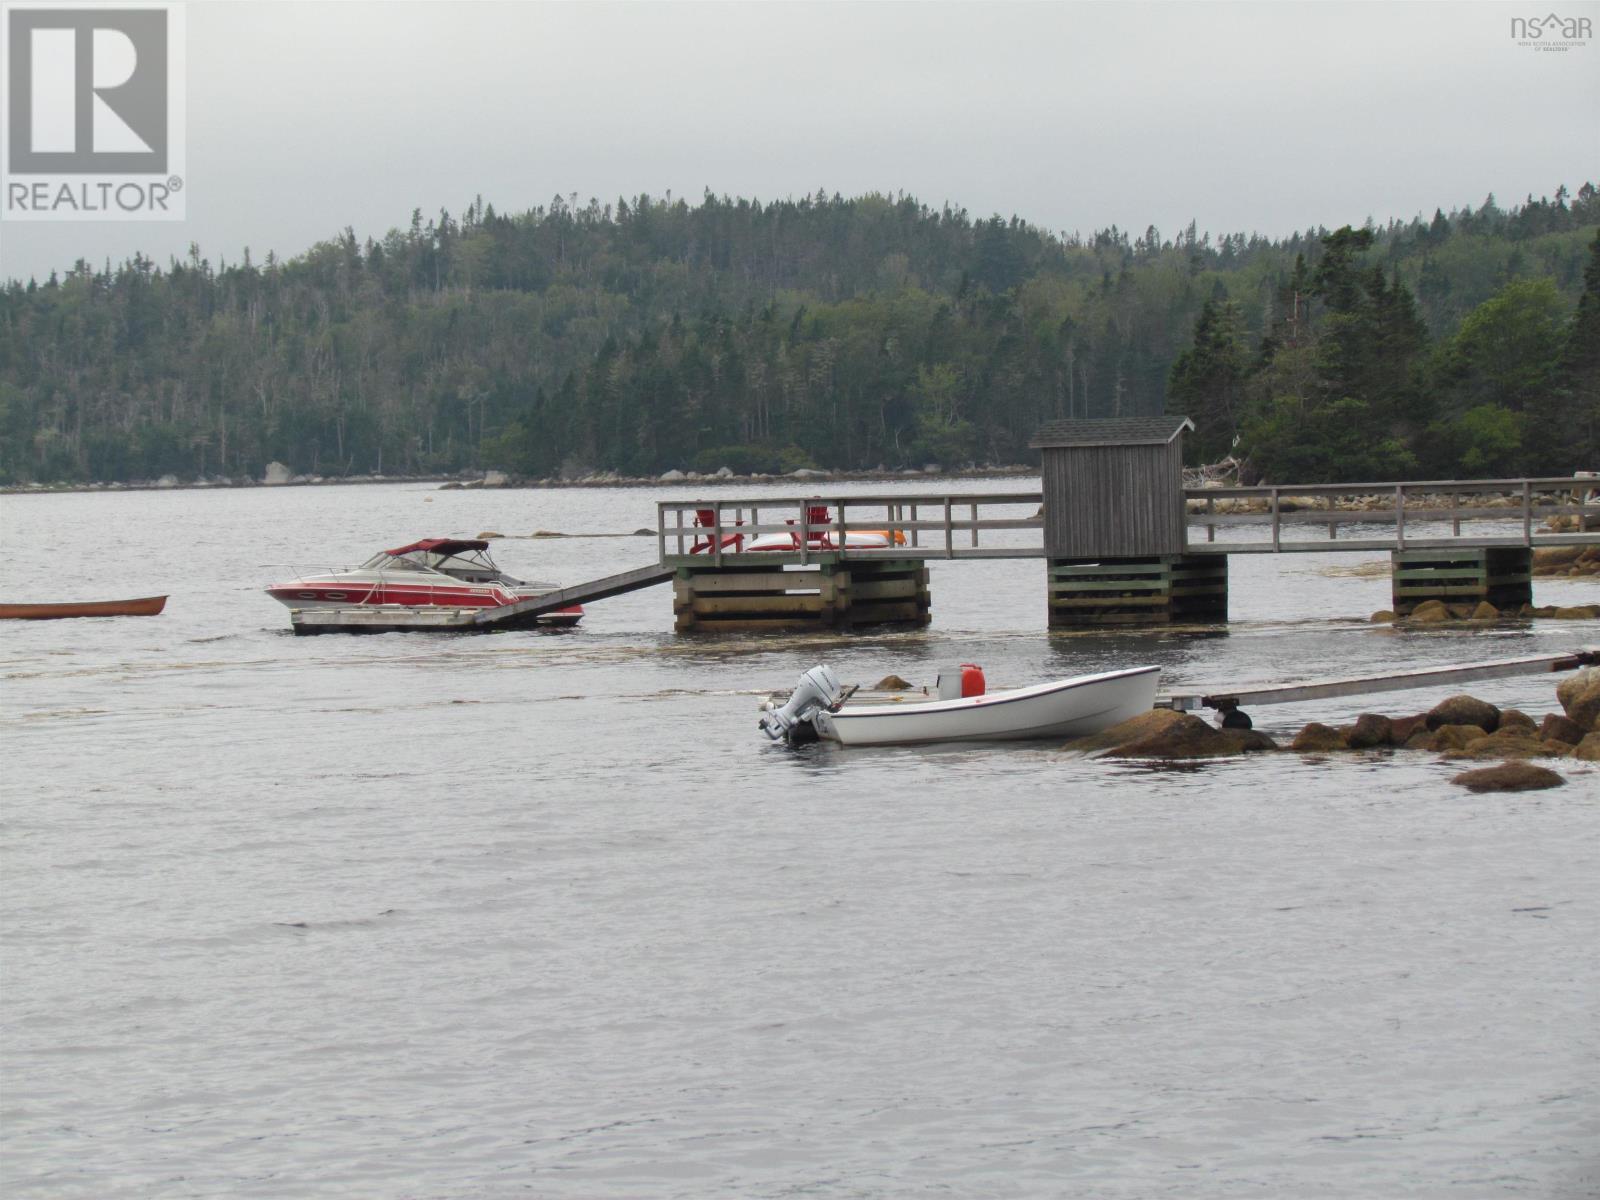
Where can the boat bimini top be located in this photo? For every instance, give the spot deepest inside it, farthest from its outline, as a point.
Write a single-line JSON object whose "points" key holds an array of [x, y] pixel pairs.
{"points": [[466, 559]]}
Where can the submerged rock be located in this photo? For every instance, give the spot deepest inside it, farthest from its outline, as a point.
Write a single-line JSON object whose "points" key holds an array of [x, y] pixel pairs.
{"points": [[1430, 610], [1317, 738], [1247, 741], [1456, 737], [1509, 777], [1401, 728], [1162, 733], [1132, 730], [1511, 718], [1191, 737], [1508, 743], [1370, 730], [1588, 750], [1464, 710], [1579, 695], [1557, 728]]}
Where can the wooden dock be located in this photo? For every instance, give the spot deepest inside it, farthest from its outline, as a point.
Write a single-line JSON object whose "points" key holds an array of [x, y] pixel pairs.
{"points": [[1123, 543], [1289, 520], [1167, 565]]}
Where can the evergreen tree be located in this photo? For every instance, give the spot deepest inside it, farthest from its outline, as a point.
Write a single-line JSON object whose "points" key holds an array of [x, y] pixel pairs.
{"points": [[1207, 381], [1579, 374]]}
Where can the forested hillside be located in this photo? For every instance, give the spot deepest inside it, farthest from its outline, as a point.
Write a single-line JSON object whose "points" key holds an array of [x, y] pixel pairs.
{"points": [[832, 332]]}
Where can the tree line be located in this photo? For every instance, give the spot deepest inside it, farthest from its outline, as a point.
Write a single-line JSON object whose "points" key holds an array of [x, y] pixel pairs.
{"points": [[825, 331]]}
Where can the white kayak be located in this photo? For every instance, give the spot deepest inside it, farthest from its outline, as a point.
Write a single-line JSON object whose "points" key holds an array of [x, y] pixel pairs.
{"points": [[1064, 708]]}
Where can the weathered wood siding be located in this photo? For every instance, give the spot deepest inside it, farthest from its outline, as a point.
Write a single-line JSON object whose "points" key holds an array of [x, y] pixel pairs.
{"points": [[1113, 501]]}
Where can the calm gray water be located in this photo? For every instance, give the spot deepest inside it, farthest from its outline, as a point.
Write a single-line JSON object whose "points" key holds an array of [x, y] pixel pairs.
{"points": [[540, 914]]}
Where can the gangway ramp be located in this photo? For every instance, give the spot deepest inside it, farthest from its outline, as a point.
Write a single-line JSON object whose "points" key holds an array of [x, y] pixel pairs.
{"points": [[1225, 699], [582, 593]]}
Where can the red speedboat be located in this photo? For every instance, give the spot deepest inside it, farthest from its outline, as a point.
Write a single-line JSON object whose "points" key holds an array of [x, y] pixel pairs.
{"points": [[433, 573]]}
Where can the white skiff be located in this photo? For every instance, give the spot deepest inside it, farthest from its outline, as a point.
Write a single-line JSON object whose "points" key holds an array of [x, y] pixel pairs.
{"points": [[1064, 708]]}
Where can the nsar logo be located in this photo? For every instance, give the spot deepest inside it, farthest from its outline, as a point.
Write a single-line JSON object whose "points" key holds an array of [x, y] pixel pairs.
{"points": [[1552, 31]]}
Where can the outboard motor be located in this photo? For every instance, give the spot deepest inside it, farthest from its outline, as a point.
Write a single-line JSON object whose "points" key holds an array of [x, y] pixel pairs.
{"points": [[818, 689]]}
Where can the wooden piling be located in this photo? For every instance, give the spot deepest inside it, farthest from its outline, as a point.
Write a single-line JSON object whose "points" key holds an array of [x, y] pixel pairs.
{"points": [[1499, 575], [1161, 589], [826, 594]]}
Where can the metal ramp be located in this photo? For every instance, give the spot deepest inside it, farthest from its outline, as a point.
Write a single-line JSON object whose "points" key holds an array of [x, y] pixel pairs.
{"points": [[1226, 698], [582, 593]]}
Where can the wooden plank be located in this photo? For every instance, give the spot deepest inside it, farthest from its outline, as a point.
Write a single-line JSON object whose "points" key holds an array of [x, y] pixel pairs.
{"points": [[1452, 590], [869, 590], [1109, 585], [712, 606], [748, 625], [1098, 570], [1295, 693], [880, 613], [709, 582], [1323, 546], [1376, 516], [1109, 602]]}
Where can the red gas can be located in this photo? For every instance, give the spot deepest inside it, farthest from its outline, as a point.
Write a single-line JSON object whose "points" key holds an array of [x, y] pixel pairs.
{"points": [[971, 679]]}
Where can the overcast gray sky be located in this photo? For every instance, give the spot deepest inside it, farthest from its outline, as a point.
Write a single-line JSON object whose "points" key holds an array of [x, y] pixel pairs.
{"points": [[307, 117]]}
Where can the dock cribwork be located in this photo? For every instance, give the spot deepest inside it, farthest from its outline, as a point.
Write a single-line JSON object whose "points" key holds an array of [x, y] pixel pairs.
{"points": [[1497, 575], [1163, 589], [827, 593]]}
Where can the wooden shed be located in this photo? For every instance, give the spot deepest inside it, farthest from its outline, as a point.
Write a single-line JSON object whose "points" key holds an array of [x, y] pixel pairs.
{"points": [[1113, 488]]}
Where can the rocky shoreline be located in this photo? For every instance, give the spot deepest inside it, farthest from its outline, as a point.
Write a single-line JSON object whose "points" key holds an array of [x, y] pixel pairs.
{"points": [[277, 475], [1461, 728]]}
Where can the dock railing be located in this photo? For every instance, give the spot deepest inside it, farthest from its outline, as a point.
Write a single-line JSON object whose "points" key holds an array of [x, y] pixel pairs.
{"points": [[915, 526], [1288, 511], [1010, 524]]}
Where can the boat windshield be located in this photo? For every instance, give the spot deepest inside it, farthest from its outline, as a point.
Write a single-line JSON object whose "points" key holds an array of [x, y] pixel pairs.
{"points": [[474, 566], [383, 560]]}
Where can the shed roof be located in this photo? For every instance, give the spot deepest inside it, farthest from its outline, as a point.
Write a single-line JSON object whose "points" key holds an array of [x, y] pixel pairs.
{"points": [[1113, 431]]}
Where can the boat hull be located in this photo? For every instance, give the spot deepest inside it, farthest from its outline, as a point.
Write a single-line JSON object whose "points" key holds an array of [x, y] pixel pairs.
{"points": [[312, 593], [144, 606], [394, 618], [1066, 708], [409, 604]]}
